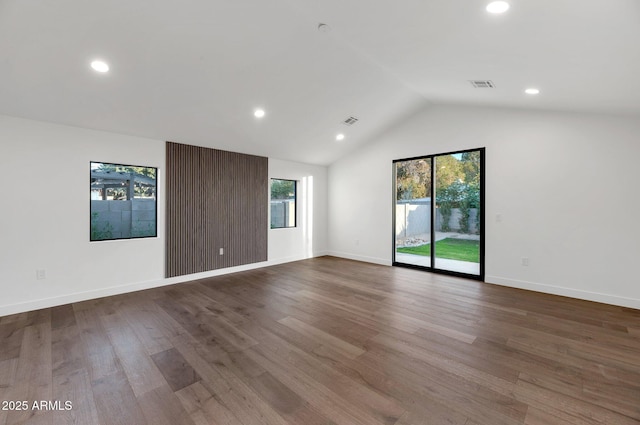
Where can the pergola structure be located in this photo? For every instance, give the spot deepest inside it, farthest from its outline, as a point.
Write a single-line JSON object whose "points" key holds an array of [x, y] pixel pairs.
{"points": [[107, 179]]}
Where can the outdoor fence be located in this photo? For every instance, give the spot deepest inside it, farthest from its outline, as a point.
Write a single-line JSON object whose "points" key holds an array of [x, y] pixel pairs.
{"points": [[282, 213], [413, 219], [113, 219]]}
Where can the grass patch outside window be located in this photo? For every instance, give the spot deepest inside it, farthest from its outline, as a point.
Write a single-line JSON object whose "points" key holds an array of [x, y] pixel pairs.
{"points": [[449, 248]]}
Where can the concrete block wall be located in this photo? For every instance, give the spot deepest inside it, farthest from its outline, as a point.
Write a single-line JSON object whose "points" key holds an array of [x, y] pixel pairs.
{"points": [[123, 219], [281, 211], [143, 217], [415, 219]]}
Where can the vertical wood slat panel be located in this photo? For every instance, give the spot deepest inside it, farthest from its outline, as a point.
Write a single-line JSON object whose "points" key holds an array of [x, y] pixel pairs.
{"points": [[215, 199]]}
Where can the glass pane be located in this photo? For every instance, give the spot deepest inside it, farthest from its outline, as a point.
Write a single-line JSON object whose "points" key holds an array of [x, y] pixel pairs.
{"points": [[123, 201], [283, 203], [413, 212], [457, 227]]}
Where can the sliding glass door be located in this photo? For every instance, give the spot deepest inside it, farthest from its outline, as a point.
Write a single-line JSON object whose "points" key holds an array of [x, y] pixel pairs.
{"points": [[438, 213]]}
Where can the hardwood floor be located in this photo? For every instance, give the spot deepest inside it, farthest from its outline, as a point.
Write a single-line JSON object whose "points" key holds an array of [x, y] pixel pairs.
{"points": [[324, 341]]}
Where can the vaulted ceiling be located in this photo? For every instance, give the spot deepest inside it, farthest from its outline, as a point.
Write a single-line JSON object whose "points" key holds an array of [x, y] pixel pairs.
{"points": [[193, 71]]}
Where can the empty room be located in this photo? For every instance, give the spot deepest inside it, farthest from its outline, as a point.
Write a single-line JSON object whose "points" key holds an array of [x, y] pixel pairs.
{"points": [[304, 212]]}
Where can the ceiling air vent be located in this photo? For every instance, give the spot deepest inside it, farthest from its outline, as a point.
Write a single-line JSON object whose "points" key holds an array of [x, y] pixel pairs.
{"points": [[482, 84], [350, 121]]}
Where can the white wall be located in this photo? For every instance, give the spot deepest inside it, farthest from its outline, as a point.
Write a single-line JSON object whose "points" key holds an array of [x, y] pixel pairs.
{"points": [[563, 183], [44, 221], [309, 237], [45, 167]]}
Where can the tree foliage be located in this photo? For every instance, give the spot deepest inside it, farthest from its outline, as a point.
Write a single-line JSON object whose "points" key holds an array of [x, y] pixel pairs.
{"points": [[471, 167], [448, 171], [457, 184], [283, 189], [413, 179], [143, 171]]}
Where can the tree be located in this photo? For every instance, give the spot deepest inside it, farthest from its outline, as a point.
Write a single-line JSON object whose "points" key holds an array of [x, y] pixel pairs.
{"points": [[283, 189], [470, 199], [471, 194], [143, 171], [457, 184], [448, 171], [413, 179], [471, 167], [448, 198]]}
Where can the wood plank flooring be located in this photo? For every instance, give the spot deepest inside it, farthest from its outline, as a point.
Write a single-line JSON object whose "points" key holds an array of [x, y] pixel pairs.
{"points": [[324, 341]]}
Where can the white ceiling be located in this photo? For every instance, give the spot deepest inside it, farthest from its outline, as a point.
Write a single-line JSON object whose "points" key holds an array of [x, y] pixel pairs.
{"points": [[193, 71]]}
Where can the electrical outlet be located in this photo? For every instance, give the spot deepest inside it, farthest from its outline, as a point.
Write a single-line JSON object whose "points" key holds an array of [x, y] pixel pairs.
{"points": [[525, 261], [357, 242], [498, 218], [221, 251], [41, 274]]}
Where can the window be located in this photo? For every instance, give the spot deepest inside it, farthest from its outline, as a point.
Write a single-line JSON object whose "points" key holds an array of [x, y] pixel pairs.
{"points": [[283, 203], [123, 201]]}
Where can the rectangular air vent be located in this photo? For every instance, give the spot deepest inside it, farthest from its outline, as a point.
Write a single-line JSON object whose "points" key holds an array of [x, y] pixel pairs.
{"points": [[482, 84], [350, 121]]}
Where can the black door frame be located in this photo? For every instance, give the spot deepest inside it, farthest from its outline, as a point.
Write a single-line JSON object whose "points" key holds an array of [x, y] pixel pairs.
{"points": [[432, 268]]}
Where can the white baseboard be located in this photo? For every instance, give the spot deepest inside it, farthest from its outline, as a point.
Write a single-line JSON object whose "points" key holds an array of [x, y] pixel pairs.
{"points": [[138, 286], [291, 259], [374, 260], [31, 305], [565, 292]]}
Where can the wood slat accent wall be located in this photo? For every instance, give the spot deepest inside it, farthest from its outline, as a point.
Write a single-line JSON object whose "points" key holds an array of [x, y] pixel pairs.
{"points": [[215, 199]]}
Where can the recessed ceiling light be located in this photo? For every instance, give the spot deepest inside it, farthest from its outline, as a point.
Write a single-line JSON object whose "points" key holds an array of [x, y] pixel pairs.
{"points": [[532, 90], [259, 113], [497, 7], [340, 137], [100, 66]]}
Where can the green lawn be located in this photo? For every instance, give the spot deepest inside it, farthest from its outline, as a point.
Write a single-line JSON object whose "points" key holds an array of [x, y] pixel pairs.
{"points": [[452, 249]]}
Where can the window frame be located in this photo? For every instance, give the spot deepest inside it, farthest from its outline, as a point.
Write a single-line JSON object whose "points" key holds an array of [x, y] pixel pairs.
{"points": [[432, 268], [91, 211], [295, 203]]}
